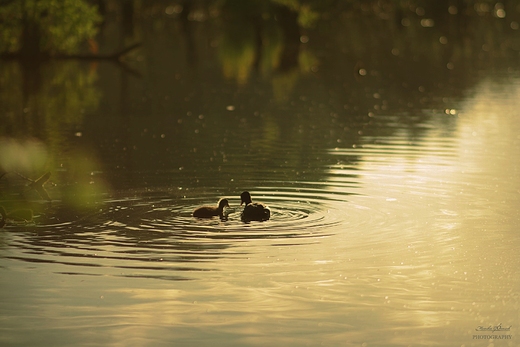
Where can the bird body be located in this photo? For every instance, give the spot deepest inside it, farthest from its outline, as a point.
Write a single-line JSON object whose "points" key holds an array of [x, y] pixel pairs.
{"points": [[211, 211], [253, 211]]}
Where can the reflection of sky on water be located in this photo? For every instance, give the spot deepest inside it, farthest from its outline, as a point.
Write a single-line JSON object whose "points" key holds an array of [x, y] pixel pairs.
{"points": [[443, 216], [416, 237], [405, 235]]}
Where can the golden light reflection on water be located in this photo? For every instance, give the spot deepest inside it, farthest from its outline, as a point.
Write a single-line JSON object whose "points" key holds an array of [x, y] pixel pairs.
{"points": [[409, 265], [409, 237], [420, 248], [443, 220]]}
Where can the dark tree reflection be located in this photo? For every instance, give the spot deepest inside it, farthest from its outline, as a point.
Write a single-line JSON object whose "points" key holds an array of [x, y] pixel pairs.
{"points": [[233, 81]]}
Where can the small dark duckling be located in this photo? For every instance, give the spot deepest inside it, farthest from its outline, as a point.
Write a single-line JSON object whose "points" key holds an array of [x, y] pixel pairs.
{"points": [[211, 211], [253, 210]]}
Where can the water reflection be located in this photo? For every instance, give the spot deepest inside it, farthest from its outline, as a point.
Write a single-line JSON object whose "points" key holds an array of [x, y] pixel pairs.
{"points": [[199, 106], [389, 166]]}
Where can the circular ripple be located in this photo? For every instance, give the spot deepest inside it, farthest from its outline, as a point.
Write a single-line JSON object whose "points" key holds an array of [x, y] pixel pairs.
{"points": [[292, 219], [153, 235]]}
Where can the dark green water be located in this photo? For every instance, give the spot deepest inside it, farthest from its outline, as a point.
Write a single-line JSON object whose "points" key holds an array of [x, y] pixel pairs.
{"points": [[389, 155]]}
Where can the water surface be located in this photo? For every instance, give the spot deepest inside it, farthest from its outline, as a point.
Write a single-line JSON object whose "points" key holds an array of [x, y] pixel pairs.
{"points": [[394, 222]]}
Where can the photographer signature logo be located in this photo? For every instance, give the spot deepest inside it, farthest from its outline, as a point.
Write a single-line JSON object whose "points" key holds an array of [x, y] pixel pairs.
{"points": [[493, 328], [493, 332]]}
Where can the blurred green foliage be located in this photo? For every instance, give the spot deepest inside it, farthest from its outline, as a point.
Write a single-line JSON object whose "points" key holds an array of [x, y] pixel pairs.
{"points": [[39, 132], [46, 26]]}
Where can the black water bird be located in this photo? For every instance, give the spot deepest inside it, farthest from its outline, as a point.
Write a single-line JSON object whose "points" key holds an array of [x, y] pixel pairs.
{"points": [[253, 211], [211, 211]]}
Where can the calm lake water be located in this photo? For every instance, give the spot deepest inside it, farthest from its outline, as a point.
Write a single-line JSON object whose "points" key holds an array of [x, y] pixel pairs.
{"points": [[393, 178]]}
